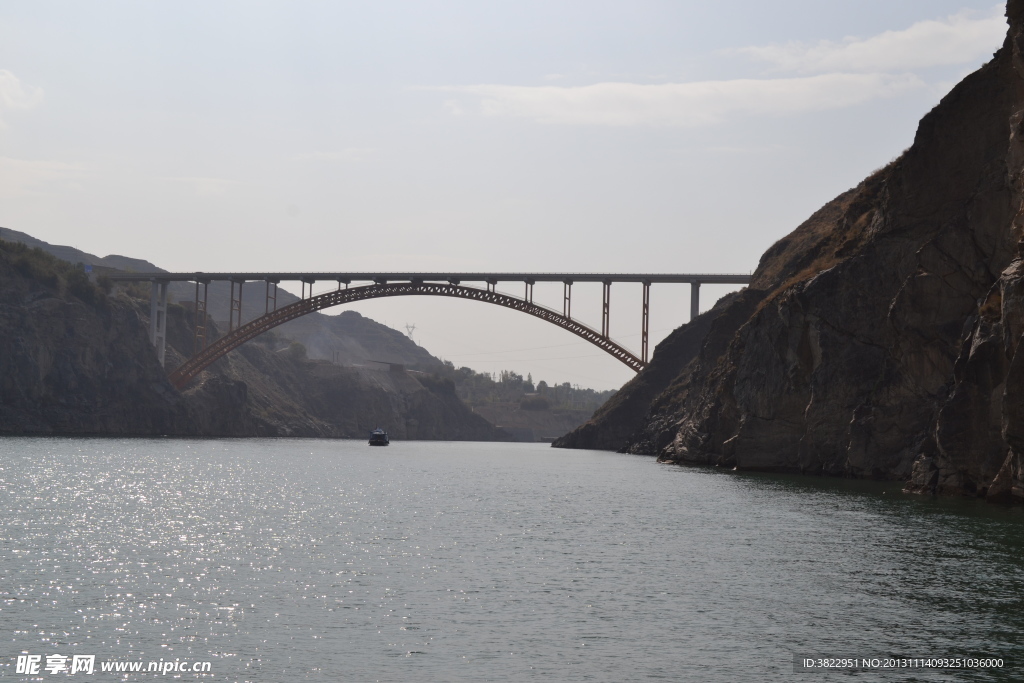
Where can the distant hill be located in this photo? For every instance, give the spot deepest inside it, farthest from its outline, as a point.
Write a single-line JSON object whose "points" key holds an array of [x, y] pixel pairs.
{"points": [[347, 339], [73, 255]]}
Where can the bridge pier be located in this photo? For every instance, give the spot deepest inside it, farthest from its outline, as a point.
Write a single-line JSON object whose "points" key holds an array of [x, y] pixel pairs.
{"points": [[567, 299], [694, 299], [272, 297], [199, 340], [605, 306], [646, 322], [236, 306], [158, 318]]}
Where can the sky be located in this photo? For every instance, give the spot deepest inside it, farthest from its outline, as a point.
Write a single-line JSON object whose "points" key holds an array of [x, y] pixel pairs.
{"points": [[670, 136]]}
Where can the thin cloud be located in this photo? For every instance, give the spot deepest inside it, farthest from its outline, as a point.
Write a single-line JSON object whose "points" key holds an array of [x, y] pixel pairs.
{"points": [[683, 104], [748, 150], [354, 154], [957, 39], [20, 177], [14, 95], [205, 186]]}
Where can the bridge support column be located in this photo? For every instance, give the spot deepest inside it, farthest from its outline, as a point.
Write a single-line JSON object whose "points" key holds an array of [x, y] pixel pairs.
{"points": [[158, 318], [528, 293], [694, 299], [199, 341], [646, 323], [567, 299], [605, 308], [235, 314], [272, 295]]}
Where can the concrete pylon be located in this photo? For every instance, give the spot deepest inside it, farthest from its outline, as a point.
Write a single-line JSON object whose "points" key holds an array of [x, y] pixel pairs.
{"points": [[158, 318]]}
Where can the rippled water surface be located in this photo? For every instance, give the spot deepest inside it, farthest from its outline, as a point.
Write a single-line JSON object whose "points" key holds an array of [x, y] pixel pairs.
{"points": [[323, 560]]}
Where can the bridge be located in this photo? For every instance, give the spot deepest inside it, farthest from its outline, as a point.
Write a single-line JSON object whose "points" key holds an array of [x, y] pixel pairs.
{"points": [[379, 285]]}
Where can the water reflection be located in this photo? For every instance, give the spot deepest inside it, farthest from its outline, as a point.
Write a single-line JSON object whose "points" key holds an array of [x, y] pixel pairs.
{"points": [[321, 559]]}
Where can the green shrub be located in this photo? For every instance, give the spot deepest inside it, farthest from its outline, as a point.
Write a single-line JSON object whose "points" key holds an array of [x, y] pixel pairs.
{"points": [[436, 384], [297, 351], [79, 285], [52, 272], [538, 403]]}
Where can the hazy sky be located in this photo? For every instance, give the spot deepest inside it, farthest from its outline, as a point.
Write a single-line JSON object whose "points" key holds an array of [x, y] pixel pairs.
{"points": [[584, 136]]}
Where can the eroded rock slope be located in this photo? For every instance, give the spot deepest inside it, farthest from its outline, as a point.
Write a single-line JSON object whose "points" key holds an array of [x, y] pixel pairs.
{"points": [[880, 338]]}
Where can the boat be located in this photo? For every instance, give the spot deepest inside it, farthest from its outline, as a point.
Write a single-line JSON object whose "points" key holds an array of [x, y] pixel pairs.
{"points": [[378, 437]]}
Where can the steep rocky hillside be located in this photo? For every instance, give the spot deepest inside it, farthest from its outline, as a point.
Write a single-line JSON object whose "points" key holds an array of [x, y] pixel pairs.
{"points": [[72, 360], [880, 338], [619, 419], [75, 360]]}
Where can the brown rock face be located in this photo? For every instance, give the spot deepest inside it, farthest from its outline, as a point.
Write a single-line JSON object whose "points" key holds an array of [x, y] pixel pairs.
{"points": [[880, 338]]}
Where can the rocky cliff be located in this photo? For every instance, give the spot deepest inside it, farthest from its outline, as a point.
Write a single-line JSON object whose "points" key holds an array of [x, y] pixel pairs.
{"points": [[880, 338], [73, 361], [615, 422]]}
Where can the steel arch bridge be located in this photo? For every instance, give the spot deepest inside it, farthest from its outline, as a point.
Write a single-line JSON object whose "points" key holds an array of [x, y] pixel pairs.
{"points": [[398, 284], [181, 376]]}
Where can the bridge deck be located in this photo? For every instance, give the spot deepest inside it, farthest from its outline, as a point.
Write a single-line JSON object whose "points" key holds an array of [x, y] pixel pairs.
{"points": [[683, 278]]}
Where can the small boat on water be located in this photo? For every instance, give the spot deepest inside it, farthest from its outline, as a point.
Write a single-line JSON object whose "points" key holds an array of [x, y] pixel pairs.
{"points": [[378, 437]]}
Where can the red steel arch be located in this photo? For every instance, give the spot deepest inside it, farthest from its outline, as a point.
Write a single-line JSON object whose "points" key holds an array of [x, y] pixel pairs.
{"points": [[197, 363]]}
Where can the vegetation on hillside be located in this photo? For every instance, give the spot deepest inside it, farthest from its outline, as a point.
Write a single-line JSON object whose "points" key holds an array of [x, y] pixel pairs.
{"points": [[58, 275], [477, 388]]}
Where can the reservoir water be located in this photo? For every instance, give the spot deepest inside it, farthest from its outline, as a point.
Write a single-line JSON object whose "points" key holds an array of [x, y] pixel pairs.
{"points": [[316, 560]]}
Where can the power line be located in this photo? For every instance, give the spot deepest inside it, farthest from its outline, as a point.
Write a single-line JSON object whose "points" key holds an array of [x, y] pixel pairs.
{"points": [[526, 360]]}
